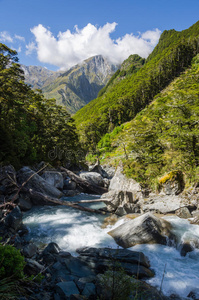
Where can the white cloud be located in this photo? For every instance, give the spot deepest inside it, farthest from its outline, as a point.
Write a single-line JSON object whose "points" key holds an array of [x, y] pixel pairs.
{"points": [[30, 48], [70, 48], [18, 37], [5, 37]]}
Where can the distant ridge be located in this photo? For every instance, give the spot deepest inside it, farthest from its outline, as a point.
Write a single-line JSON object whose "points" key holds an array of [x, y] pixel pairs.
{"points": [[75, 87]]}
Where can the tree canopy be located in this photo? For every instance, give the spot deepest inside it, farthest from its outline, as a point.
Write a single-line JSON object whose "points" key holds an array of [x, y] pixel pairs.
{"points": [[31, 126]]}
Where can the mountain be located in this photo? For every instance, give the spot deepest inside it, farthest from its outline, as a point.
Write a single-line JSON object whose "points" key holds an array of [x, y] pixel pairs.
{"points": [[122, 101], [75, 87], [37, 77], [81, 84]]}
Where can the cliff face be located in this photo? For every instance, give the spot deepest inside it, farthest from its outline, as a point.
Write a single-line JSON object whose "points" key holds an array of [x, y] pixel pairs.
{"points": [[75, 87]]}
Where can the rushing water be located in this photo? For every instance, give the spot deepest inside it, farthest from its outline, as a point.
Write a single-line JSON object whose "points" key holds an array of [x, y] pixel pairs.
{"points": [[72, 229]]}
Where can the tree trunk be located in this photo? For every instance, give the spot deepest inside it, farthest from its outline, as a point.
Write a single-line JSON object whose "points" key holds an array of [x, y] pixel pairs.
{"points": [[48, 200]]}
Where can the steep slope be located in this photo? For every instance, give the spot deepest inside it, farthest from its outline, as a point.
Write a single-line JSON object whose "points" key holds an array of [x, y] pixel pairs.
{"points": [[79, 85], [163, 137], [37, 77], [123, 101], [130, 66]]}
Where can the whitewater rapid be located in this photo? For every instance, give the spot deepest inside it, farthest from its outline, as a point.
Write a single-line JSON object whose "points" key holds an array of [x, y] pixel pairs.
{"points": [[72, 229]]}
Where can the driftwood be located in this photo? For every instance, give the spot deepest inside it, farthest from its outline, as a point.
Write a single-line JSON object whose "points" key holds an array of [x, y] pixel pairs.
{"points": [[88, 201], [81, 182], [85, 184], [48, 200]]}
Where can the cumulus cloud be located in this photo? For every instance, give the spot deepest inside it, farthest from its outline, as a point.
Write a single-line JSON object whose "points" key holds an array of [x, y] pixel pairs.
{"points": [[5, 37], [70, 48]]}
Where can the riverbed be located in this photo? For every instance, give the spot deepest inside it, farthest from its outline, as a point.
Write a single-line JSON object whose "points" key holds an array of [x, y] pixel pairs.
{"points": [[72, 229]]}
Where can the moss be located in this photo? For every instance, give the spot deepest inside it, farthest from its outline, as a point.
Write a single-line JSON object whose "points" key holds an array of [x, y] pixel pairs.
{"points": [[171, 176]]}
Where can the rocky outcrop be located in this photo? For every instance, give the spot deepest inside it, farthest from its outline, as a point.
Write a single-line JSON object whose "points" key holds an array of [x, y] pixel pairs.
{"points": [[165, 204], [124, 196], [142, 230], [122, 202]]}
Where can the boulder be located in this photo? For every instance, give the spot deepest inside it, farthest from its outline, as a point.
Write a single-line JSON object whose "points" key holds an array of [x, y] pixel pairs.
{"points": [[121, 183], [186, 248], [93, 178], [124, 196], [78, 267], [70, 184], [101, 259], [122, 255], [122, 202], [146, 229], [89, 290], [7, 181], [25, 203], [183, 213], [52, 248], [164, 204], [105, 171], [38, 184], [66, 289], [54, 178], [32, 267], [30, 250], [14, 219]]}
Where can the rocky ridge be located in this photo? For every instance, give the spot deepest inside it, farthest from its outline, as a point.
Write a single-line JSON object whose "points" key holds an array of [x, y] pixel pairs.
{"points": [[75, 87]]}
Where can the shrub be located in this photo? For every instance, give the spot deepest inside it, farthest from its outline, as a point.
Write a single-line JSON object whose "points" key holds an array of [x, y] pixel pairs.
{"points": [[11, 262]]}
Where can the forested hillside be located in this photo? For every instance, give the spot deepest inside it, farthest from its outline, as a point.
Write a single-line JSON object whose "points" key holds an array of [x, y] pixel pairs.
{"points": [[31, 127], [163, 137], [121, 102]]}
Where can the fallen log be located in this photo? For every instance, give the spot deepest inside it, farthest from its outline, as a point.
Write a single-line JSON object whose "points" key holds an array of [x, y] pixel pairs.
{"points": [[90, 201], [85, 184], [48, 200]]}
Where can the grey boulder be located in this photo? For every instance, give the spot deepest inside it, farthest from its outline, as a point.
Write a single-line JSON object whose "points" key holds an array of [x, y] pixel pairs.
{"points": [[146, 229], [38, 184], [54, 178]]}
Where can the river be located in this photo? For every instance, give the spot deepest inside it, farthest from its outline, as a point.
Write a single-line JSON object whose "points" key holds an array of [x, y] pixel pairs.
{"points": [[72, 229]]}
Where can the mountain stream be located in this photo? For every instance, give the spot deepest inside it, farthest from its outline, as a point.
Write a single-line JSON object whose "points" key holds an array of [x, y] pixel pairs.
{"points": [[72, 229]]}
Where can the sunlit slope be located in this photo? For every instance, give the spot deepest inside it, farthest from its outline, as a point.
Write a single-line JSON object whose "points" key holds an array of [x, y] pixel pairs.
{"points": [[122, 101]]}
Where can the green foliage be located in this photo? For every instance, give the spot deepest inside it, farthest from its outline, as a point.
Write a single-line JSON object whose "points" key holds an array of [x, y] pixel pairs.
{"points": [[106, 142], [122, 101], [31, 126], [115, 284], [11, 262], [165, 135], [128, 67]]}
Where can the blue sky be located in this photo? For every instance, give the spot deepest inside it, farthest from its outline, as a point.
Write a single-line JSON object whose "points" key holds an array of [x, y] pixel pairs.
{"points": [[44, 32]]}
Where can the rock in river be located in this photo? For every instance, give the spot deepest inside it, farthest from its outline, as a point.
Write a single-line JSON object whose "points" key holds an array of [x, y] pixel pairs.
{"points": [[142, 230]]}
